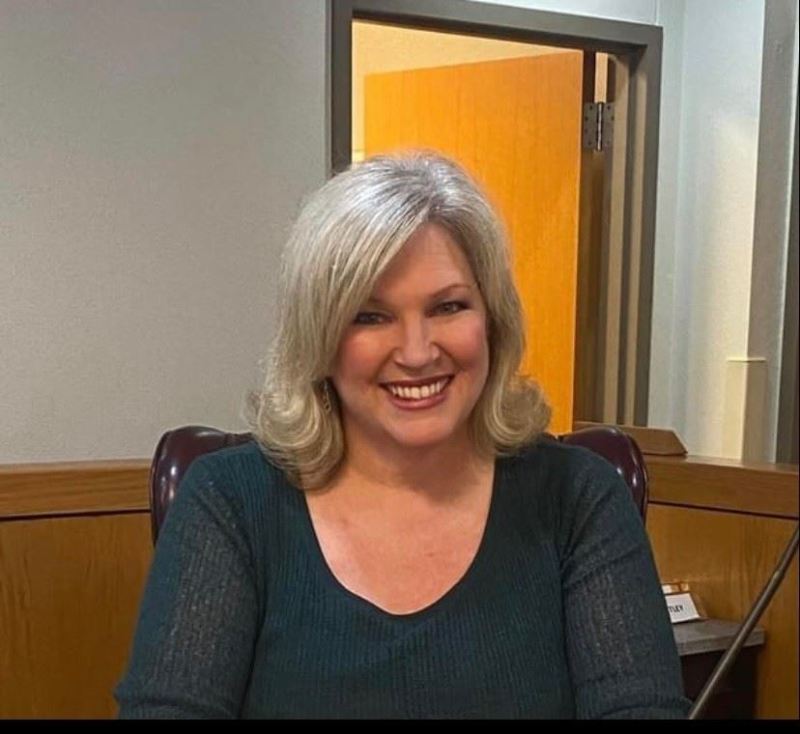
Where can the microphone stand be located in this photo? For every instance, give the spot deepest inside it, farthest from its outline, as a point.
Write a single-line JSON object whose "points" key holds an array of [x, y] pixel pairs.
{"points": [[746, 628]]}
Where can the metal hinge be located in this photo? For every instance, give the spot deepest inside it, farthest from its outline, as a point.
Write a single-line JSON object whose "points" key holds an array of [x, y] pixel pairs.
{"points": [[598, 125]]}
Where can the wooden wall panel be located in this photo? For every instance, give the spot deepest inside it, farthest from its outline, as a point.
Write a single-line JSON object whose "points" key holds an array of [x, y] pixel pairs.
{"points": [[69, 597], [727, 558], [71, 576], [69, 488], [725, 484], [515, 124]]}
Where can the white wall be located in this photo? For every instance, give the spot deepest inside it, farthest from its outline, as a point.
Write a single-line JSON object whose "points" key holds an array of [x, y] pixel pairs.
{"points": [[153, 154], [715, 215]]}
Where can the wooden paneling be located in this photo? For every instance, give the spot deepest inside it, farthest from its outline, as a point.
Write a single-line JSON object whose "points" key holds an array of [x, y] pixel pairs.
{"points": [[721, 526], [515, 125], [696, 481], [73, 488], [72, 573], [69, 597], [727, 558]]}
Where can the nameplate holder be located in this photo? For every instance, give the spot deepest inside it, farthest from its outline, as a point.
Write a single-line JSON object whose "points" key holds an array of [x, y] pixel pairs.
{"points": [[681, 607]]}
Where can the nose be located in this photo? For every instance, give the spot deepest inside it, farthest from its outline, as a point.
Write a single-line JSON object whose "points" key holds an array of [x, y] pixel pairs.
{"points": [[416, 347]]}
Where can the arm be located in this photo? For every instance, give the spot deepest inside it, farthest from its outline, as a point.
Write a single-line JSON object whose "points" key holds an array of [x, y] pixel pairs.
{"points": [[621, 649], [193, 647]]}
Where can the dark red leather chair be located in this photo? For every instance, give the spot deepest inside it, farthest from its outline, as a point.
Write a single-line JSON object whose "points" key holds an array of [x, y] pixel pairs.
{"points": [[178, 448]]}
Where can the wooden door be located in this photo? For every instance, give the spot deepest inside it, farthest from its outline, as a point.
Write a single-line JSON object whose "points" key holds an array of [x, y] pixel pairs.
{"points": [[515, 124]]}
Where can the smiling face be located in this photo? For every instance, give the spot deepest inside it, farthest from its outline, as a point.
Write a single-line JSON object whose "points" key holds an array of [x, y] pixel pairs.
{"points": [[412, 365]]}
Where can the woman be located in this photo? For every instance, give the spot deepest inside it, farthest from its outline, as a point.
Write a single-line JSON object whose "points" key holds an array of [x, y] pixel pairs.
{"points": [[401, 541]]}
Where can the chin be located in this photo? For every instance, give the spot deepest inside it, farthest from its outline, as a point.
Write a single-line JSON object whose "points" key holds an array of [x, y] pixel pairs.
{"points": [[421, 439]]}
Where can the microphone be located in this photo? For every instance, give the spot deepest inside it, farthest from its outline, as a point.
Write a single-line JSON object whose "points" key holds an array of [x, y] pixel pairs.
{"points": [[745, 628]]}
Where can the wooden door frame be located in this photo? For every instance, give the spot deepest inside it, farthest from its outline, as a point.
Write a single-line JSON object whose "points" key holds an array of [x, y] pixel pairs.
{"points": [[639, 48]]}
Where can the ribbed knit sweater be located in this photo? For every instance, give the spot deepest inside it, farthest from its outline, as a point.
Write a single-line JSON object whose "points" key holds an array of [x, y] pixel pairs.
{"points": [[559, 615]]}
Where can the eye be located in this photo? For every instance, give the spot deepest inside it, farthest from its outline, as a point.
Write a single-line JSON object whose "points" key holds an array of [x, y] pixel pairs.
{"points": [[451, 307], [369, 318]]}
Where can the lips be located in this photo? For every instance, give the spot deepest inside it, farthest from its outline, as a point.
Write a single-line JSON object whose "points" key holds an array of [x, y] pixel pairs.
{"points": [[418, 393]]}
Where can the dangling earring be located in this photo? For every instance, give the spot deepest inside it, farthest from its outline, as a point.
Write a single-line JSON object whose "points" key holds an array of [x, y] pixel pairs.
{"points": [[327, 405]]}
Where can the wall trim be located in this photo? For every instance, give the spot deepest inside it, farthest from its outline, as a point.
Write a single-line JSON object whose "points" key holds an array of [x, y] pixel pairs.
{"points": [[728, 485], [101, 487], [74, 488]]}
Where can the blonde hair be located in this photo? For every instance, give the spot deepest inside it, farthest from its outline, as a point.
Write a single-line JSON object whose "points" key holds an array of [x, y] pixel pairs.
{"points": [[344, 238]]}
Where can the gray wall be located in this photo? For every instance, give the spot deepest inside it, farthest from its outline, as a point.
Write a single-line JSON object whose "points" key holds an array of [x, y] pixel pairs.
{"points": [[154, 152], [153, 155]]}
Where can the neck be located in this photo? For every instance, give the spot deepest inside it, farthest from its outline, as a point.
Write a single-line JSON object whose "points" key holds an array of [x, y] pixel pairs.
{"points": [[433, 475]]}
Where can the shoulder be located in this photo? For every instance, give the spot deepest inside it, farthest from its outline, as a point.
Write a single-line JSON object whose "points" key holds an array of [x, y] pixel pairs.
{"points": [[244, 459], [235, 495], [557, 464], [559, 482], [575, 496], [242, 477]]}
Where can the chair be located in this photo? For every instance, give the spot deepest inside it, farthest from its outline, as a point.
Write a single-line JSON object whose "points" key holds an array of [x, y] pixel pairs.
{"points": [[178, 448]]}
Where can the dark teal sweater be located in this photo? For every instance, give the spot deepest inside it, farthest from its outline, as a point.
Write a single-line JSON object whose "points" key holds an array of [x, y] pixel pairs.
{"points": [[559, 615]]}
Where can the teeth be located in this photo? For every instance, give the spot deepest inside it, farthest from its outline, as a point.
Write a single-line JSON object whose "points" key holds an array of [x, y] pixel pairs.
{"points": [[417, 393]]}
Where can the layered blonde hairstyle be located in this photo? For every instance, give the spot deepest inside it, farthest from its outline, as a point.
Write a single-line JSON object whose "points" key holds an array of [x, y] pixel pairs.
{"points": [[344, 238]]}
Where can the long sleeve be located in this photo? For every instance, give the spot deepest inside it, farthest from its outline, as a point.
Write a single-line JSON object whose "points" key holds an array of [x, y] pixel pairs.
{"points": [[193, 648], [559, 615], [620, 646]]}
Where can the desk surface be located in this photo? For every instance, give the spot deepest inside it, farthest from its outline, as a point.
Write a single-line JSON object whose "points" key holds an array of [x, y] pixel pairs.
{"points": [[710, 635]]}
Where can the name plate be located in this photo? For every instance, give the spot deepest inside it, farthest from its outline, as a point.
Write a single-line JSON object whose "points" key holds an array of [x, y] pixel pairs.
{"points": [[681, 607]]}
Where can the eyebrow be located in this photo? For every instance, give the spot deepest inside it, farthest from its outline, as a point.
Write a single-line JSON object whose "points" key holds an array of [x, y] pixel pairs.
{"points": [[433, 296]]}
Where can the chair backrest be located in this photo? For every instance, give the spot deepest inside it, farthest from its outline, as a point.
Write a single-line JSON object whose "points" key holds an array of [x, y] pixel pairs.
{"points": [[178, 448], [174, 454], [622, 452]]}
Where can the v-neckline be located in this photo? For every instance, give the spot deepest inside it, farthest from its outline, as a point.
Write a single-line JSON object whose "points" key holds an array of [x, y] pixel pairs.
{"points": [[332, 581]]}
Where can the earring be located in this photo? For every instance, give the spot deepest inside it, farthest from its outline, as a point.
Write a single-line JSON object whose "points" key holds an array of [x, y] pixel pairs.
{"points": [[327, 404]]}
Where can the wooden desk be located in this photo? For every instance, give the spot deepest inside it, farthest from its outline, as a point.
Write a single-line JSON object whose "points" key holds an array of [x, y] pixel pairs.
{"points": [[701, 644], [721, 526]]}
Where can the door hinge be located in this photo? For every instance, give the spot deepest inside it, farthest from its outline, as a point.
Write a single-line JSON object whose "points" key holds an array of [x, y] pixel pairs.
{"points": [[598, 125]]}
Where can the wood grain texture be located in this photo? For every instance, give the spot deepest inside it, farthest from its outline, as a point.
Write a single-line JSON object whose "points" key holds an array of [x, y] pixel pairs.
{"points": [[70, 488], [69, 597], [515, 125], [696, 481], [70, 584], [727, 558]]}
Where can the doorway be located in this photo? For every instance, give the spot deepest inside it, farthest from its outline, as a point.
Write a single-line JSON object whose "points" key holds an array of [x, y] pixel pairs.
{"points": [[579, 208]]}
